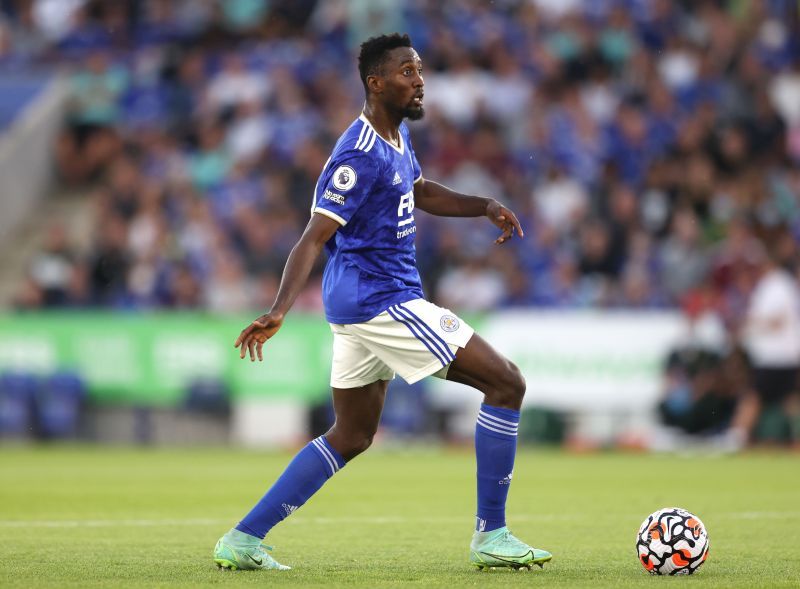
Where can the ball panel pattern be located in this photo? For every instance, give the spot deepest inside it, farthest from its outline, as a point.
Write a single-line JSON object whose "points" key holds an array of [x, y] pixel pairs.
{"points": [[672, 541]]}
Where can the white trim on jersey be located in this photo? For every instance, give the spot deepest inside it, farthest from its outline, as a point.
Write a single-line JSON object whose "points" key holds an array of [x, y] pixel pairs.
{"points": [[361, 135], [401, 150], [316, 186], [371, 141], [362, 141], [330, 214]]}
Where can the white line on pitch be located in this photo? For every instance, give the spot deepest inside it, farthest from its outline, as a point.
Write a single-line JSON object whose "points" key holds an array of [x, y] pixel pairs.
{"points": [[106, 523]]}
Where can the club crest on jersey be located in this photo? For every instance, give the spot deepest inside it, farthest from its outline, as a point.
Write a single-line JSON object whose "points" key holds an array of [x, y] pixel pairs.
{"points": [[344, 178], [449, 323]]}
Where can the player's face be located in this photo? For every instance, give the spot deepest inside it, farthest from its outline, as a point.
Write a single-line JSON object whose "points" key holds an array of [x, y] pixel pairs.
{"points": [[403, 89]]}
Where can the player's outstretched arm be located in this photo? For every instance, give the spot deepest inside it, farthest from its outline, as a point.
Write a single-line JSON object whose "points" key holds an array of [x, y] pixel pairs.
{"points": [[295, 274], [439, 200]]}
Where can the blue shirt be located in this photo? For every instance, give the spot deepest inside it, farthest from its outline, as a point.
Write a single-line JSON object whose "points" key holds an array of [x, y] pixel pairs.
{"points": [[367, 186]]}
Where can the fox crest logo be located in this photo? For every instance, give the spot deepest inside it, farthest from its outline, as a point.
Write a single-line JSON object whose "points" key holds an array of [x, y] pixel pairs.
{"points": [[344, 178], [449, 323]]}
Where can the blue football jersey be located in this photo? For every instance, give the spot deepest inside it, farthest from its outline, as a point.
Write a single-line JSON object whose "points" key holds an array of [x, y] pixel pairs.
{"points": [[367, 186]]}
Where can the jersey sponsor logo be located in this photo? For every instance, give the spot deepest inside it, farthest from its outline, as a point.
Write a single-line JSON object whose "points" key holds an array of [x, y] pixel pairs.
{"points": [[344, 178], [397, 179], [404, 210], [406, 205], [333, 197], [406, 232], [449, 323]]}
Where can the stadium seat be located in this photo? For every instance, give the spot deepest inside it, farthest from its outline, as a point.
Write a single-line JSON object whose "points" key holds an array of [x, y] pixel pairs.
{"points": [[406, 408], [59, 404], [207, 395], [16, 404]]}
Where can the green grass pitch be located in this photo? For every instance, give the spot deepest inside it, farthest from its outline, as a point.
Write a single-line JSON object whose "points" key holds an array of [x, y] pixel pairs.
{"points": [[91, 517]]}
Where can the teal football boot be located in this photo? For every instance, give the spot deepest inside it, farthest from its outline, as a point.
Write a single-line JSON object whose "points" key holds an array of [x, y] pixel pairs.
{"points": [[239, 551], [500, 549]]}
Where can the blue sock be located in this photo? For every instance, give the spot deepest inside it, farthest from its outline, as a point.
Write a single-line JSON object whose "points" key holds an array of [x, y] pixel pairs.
{"points": [[495, 448], [304, 476]]}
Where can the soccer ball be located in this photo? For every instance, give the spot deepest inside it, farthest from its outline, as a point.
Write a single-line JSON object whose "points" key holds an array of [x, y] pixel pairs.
{"points": [[672, 541]]}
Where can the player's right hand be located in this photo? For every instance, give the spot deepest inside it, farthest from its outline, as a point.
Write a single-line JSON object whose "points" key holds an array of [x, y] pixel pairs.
{"points": [[252, 337]]}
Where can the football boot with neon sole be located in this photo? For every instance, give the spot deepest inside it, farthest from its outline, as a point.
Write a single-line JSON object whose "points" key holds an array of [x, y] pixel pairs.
{"points": [[501, 549], [239, 551]]}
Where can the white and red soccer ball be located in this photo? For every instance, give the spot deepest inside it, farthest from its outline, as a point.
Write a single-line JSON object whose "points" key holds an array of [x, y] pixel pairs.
{"points": [[672, 541]]}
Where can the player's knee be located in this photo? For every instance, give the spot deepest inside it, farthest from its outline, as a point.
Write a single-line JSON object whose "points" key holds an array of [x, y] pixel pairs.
{"points": [[365, 442], [512, 387], [516, 382], [356, 443]]}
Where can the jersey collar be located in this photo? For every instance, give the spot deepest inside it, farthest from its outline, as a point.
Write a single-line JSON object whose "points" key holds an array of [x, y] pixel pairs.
{"points": [[400, 150]]}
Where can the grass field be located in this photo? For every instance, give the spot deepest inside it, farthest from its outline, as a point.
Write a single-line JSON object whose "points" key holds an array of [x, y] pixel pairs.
{"points": [[89, 517]]}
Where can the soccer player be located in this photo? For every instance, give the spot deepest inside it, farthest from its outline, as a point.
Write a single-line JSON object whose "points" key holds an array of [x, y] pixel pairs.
{"points": [[363, 216]]}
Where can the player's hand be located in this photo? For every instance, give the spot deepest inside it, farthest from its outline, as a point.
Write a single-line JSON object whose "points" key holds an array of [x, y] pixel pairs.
{"points": [[505, 219], [254, 335]]}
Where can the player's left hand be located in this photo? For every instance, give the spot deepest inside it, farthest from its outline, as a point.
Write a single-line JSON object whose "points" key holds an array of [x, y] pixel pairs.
{"points": [[505, 219]]}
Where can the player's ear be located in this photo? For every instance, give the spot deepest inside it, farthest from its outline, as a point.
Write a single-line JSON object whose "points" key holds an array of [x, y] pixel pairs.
{"points": [[375, 84]]}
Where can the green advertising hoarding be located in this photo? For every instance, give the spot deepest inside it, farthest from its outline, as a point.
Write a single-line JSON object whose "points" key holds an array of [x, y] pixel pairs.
{"points": [[570, 359], [149, 359]]}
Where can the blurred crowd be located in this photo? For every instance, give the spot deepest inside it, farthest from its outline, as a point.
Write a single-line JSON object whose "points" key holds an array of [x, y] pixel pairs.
{"points": [[650, 147], [647, 145]]}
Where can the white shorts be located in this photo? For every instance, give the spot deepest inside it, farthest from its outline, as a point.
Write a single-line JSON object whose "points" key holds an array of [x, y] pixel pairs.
{"points": [[414, 339]]}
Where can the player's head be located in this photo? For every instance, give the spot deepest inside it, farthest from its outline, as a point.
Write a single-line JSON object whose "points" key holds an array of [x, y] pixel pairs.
{"points": [[391, 72]]}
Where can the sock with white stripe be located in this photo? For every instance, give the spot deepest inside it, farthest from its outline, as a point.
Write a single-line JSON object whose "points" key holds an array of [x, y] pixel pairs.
{"points": [[495, 449], [304, 476]]}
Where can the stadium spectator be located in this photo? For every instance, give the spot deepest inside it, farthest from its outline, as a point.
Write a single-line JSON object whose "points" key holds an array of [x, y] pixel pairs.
{"points": [[475, 285], [683, 257], [52, 268], [560, 201], [109, 263], [234, 85], [771, 333], [92, 137], [705, 379]]}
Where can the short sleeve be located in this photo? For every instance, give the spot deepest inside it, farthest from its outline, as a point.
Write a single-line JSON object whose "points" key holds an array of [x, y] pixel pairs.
{"points": [[345, 184]]}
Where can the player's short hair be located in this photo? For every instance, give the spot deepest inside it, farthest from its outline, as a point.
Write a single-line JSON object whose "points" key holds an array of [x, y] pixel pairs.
{"points": [[374, 53]]}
